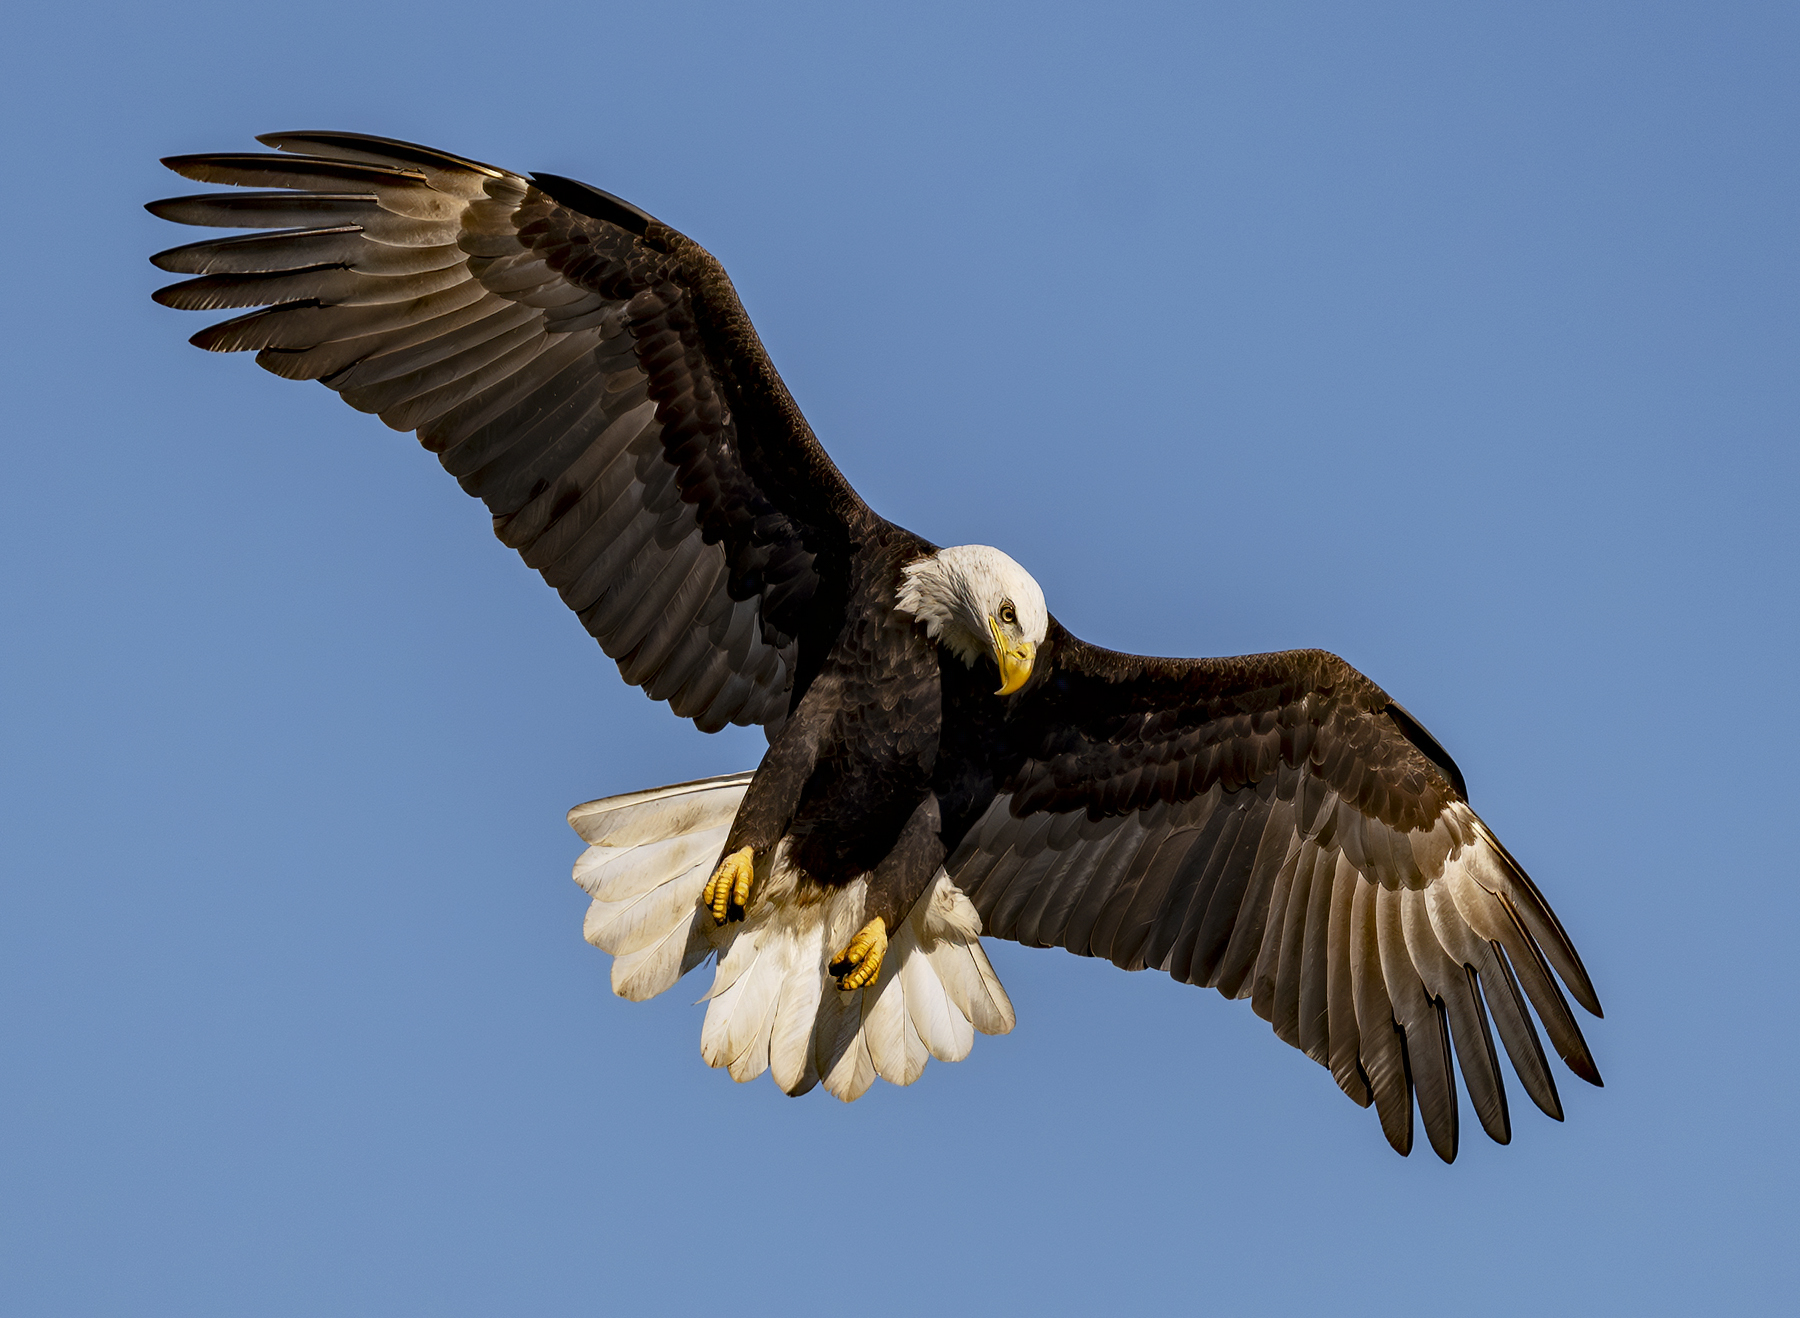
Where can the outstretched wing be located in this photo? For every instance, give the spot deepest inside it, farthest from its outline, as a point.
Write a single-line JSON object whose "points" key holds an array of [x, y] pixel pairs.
{"points": [[1276, 827], [583, 369]]}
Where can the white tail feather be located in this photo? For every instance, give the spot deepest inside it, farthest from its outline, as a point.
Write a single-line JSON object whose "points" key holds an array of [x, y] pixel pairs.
{"points": [[642, 918], [660, 812], [791, 1039], [851, 1069], [884, 1022], [643, 975], [774, 1005], [945, 1031]]}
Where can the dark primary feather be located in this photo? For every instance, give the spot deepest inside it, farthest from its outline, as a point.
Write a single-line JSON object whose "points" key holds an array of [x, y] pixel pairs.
{"points": [[586, 371], [1276, 827]]}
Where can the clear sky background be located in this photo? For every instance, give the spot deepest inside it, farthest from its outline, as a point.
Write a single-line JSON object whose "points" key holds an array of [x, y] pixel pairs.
{"points": [[1458, 339]]}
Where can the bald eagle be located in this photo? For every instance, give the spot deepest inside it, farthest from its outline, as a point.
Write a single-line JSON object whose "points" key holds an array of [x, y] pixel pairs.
{"points": [[945, 760]]}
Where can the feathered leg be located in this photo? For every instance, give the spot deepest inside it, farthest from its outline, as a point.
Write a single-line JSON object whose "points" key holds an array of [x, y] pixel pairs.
{"points": [[769, 804], [895, 886]]}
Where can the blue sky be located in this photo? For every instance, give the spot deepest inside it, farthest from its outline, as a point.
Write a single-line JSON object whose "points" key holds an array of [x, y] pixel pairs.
{"points": [[1460, 340]]}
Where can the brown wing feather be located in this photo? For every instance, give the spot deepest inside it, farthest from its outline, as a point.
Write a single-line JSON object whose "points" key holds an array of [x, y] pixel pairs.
{"points": [[1276, 827], [585, 370]]}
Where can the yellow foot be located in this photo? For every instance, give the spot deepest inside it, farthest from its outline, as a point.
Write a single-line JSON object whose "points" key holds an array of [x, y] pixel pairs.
{"points": [[727, 892], [859, 963]]}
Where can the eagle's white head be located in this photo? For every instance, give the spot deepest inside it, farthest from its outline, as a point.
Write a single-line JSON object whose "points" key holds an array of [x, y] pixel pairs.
{"points": [[973, 600]]}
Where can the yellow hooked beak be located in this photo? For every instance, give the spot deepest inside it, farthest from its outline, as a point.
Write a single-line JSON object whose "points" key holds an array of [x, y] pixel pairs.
{"points": [[1014, 660]]}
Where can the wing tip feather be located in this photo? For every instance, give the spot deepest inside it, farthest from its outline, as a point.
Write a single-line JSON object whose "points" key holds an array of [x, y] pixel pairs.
{"points": [[298, 140]]}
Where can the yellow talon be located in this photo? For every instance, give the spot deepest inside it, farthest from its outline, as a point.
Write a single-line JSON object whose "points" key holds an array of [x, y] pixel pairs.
{"points": [[730, 886], [859, 963]]}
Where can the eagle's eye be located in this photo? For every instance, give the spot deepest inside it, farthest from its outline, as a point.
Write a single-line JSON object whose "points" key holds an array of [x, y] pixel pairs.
{"points": [[1008, 614]]}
